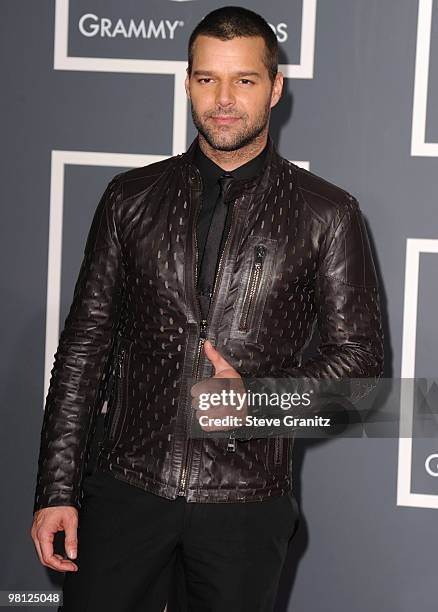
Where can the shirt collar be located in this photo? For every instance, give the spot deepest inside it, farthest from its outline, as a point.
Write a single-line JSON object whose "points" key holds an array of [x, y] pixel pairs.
{"points": [[210, 171]]}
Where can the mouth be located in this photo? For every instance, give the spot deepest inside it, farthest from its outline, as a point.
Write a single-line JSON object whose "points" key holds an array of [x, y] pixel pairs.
{"points": [[225, 119]]}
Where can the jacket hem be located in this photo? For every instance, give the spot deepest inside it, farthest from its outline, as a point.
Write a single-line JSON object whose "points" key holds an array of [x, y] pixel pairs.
{"points": [[194, 495]]}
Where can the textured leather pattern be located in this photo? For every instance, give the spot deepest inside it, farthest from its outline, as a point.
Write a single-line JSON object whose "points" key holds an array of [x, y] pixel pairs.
{"points": [[135, 323]]}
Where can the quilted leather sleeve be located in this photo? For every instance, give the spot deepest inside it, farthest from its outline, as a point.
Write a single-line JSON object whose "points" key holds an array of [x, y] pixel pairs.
{"points": [[348, 306], [348, 314], [80, 360]]}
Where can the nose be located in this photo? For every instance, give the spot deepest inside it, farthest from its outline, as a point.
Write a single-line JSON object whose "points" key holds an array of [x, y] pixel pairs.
{"points": [[224, 95]]}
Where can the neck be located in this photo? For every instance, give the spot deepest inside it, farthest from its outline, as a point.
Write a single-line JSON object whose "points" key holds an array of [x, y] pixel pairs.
{"points": [[230, 160]]}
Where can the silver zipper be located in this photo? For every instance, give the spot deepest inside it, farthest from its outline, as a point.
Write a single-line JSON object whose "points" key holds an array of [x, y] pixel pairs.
{"points": [[201, 341], [252, 286], [118, 408], [202, 338]]}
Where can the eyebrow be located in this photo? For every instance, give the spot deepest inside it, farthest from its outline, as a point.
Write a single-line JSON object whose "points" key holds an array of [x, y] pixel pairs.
{"points": [[238, 73]]}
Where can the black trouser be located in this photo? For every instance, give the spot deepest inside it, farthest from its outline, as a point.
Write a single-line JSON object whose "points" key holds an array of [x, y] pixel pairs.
{"points": [[128, 540]]}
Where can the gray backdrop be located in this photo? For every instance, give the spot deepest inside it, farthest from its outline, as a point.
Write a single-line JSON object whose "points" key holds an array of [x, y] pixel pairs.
{"points": [[85, 96]]}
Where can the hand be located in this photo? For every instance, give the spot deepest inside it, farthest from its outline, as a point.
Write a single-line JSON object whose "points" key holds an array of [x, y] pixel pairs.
{"points": [[46, 522], [217, 384]]}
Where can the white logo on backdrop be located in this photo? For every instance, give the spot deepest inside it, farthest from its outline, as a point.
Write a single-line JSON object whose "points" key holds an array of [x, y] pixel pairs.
{"points": [[91, 25]]}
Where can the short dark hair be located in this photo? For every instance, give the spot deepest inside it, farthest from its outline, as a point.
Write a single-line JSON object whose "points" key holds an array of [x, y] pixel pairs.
{"points": [[230, 22]]}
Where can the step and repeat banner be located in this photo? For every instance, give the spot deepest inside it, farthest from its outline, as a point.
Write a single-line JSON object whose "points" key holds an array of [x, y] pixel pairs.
{"points": [[93, 87]]}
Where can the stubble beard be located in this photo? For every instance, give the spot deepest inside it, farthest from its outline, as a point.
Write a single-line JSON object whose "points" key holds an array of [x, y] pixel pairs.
{"points": [[223, 138]]}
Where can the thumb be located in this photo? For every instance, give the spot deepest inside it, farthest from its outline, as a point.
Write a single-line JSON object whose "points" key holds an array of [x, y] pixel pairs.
{"points": [[211, 352], [71, 538], [219, 363]]}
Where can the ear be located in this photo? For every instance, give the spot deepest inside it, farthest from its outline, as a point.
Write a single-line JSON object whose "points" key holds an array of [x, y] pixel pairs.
{"points": [[277, 88]]}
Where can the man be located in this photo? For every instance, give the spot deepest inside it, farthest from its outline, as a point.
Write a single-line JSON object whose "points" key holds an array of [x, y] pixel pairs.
{"points": [[212, 264]]}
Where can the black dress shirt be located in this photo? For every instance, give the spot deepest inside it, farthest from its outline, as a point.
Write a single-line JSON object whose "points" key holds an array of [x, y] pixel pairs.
{"points": [[210, 173]]}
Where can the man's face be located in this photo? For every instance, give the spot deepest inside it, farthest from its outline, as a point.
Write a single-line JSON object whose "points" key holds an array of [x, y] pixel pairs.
{"points": [[230, 90]]}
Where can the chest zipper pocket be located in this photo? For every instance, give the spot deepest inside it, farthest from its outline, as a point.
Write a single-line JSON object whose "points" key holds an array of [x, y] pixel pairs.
{"points": [[120, 382], [252, 287]]}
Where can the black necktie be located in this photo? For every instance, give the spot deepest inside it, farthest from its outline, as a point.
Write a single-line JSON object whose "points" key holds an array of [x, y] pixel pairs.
{"points": [[212, 245]]}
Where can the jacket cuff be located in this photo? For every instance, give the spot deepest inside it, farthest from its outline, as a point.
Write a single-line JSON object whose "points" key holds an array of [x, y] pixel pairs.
{"points": [[57, 497]]}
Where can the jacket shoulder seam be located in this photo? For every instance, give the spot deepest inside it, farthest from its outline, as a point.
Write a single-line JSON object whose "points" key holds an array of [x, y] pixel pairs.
{"points": [[323, 180], [299, 187], [349, 198], [166, 164], [320, 219]]}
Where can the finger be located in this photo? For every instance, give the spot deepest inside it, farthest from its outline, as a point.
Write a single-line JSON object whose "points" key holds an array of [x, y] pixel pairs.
{"points": [[207, 385], [66, 562], [49, 559], [38, 549], [60, 564], [227, 372], [212, 353], [218, 412], [196, 389], [209, 428], [67, 565], [219, 362], [202, 386], [71, 537]]}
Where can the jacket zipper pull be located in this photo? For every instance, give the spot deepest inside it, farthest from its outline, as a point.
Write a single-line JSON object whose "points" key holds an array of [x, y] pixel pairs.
{"points": [[260, 252], [231, 445], [203, 328], [120, 362]]}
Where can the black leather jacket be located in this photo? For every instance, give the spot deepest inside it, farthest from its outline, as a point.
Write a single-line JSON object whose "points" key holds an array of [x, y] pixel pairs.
{"points": [[302, 244]]}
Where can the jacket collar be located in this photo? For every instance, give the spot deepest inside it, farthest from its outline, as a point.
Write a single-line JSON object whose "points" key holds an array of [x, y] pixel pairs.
{"points": [[254, 185]]}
